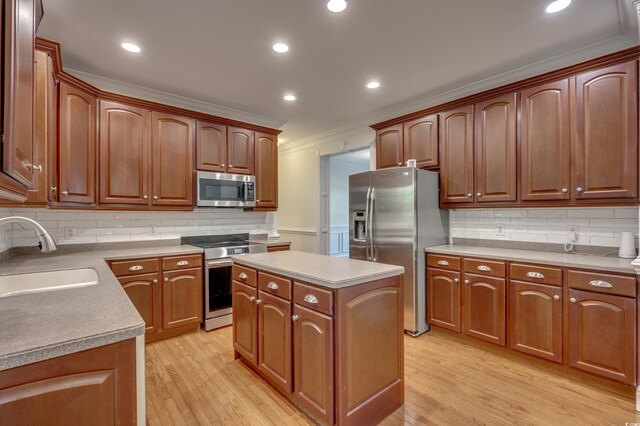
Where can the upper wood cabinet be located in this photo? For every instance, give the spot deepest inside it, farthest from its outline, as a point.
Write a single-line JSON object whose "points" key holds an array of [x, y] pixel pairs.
{"points": [[456, 155], [545, 155], [211, 147], [389, 149], [240, 151], [495, 149], [606, 133], [421, 141], [77, 145], [172, 144], [266, 162], [124, 154]]}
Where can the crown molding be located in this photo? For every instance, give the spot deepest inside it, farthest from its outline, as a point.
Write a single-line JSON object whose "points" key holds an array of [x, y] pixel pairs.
{"points": [[135, 91]]}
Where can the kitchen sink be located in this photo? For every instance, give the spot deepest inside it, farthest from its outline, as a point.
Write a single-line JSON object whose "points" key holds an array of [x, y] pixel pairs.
{"points": [[39, 282]]}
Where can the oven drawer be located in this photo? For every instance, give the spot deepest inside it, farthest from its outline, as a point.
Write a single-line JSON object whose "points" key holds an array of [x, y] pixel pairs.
{"points": [[123, 268], [313, 297], [245, 275], [181, 262], [274, 285]]}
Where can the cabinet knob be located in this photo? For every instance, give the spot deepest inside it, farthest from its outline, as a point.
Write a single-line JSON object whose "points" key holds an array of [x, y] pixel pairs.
{"points": [[455, 280], [155, 281], [222, 165], [466, 281], [258, 301], [243, 276], [556, 297], [400, 163], [579, 189], [145, 197], [572, 300], [565, 190], [257, 201], [479, 194], [155, 197], [230, 166], [469, 195], [252, 298], [294, 317], [37, 168], [65, 192], [166, 280]]}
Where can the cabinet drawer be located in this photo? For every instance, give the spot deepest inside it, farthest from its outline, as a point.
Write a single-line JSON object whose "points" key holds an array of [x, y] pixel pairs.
{"points": [[443, 262], [313, 297], [536, 274], [275, 285], [245, 275], [603, 283], [485, 267], [123, 268], [181, 262]]}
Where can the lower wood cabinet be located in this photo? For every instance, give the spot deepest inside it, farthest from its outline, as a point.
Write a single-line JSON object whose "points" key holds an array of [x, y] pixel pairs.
{"points": [[274, 339], [484, 308], [181, 298], [443, 300], [279, 247], [145, 294]]}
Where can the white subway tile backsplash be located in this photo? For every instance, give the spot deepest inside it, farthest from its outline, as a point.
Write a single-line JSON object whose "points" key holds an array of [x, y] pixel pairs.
{"points": [[591, 213], [547, 213], [626, 213]]}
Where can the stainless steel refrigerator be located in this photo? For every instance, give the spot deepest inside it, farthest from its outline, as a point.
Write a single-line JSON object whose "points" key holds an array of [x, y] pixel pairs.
{"points": [[394, 214]]}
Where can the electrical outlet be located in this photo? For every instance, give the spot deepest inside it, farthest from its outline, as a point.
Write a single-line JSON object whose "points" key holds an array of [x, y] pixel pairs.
{"points": [[500, 229], [151, 230], [573, 233], [70, 233]]}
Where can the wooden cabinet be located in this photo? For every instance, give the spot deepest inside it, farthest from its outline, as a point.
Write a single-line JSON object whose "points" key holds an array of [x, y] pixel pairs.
{"points": [[421, 141], [181, 297], [245, 321], [266, 165], [495, 149], [77, 145], [96, 386], [172, 144], [279, 247], [606, 135], [274, 340], [389, 147], [456, 156], [124, 154], [484, 308], [545, 155], [211, 147], [443, 299], [145, 294], [240, 151]]}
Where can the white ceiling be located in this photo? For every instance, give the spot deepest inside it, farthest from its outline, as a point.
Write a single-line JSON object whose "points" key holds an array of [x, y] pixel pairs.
{"points": [[219, 51]]}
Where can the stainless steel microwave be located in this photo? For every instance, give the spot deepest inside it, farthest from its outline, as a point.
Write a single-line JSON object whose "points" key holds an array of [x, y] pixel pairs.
{"points": [[225, 190]]}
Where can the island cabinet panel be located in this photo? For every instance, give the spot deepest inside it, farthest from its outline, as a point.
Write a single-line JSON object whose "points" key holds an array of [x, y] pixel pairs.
{"points": [[456, 156], [389, 147], [245, 321], [77, 146], [602, 334], [545, 155], [495, 149], [145, 294], [443, 299], [182, 298], [211, 147], [274, 340], [535, 319], [266, 163], [96, 386], [484, 308], [421, 141], [240, 151], [124, 154], [606, 134], [172, 145]]}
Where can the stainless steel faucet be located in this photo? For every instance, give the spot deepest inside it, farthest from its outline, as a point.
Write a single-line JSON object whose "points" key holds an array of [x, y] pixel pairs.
{"points": [[46, 243]]}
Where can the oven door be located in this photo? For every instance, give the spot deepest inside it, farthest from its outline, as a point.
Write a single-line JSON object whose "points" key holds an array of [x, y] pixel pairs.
{"points": [[217, 288], [225, 190]]}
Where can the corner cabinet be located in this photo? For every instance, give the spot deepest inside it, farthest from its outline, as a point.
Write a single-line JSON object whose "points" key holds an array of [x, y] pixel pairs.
{"points": [[266, 168]]}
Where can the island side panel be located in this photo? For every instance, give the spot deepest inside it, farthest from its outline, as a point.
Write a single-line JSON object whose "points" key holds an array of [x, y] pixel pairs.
{"points": [[369, 351]]}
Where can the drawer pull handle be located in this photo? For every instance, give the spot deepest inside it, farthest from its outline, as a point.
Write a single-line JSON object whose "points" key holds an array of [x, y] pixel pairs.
{"points": [[243, 276], [272, 286], [535, 275], [183, 263], [136, 268], [600, 283], [310, 298], [483, 268], [443, 263], [294, 317]]}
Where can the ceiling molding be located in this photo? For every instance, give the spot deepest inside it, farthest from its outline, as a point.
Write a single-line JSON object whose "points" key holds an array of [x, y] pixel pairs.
{"points": [[132, 90]]}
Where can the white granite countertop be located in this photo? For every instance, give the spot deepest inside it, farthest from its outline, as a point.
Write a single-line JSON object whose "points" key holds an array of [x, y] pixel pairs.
{"points": [[325, 271], [35, 327], [599, 263]]}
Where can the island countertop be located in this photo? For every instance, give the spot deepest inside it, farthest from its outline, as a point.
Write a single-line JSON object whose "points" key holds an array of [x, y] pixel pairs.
{"points": [[322, 270]]}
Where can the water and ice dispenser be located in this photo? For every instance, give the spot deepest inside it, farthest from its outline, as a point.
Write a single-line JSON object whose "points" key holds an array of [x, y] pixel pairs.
{"points": [[359, 225]]}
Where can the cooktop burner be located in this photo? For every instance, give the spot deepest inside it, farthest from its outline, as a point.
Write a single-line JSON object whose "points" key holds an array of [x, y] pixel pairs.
{"points": [[221, 246]]}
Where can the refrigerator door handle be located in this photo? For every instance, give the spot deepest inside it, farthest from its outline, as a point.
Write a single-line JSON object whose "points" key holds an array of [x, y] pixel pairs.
{"points": [[366, 225], [370, 223]]}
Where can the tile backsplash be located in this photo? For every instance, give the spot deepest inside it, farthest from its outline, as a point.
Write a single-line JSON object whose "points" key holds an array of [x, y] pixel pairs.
{"points": [[90, 226], [597, 226]]}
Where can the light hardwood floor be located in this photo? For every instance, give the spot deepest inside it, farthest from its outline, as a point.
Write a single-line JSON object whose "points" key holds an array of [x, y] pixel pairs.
{"points": [[193, 380]]}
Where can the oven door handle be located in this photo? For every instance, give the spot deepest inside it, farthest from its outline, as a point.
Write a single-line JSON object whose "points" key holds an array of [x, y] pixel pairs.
{"points": [[219, 263]]}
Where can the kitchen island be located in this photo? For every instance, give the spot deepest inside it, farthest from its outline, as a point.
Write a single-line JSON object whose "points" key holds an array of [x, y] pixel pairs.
{"points": [[326, 332]]}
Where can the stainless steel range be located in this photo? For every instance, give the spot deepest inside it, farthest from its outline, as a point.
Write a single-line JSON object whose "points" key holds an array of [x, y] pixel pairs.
{"points": [[217, 277]]}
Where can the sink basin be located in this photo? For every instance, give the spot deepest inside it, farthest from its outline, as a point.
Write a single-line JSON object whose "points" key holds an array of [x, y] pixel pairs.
{"points": [[38, 282]]}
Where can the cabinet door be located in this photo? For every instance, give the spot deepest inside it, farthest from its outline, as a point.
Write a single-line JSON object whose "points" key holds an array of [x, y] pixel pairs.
{"points": [[421, 141], [313, 363], [181, 297], [144, 292], [266, 171], [545, 161], [274, 340], [443, 299], [495, 149], [602, 335], [484, 308], [124, 154], [535, 320], [606, 142], [19, 34], [77, 145], [456, 155], [389, 147], [240, 147], [245, 321], [211, 147], [172, 159]]}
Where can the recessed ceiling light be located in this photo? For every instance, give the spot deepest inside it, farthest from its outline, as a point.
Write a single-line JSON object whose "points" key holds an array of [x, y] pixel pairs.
{"points": [[289, 98], [130, 47], [373, 85], [337, 5], [280, 48], [557, 6]]}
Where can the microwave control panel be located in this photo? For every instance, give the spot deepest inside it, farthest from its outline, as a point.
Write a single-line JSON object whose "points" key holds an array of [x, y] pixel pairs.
{"points": [[251, 191]]}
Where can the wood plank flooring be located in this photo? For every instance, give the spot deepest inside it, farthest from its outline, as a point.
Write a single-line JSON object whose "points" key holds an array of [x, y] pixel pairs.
{"points": [[193, 380]]}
